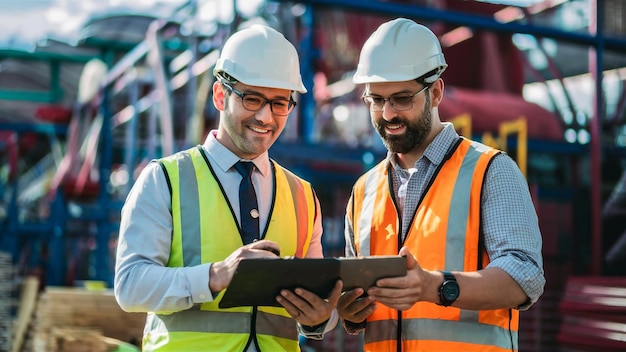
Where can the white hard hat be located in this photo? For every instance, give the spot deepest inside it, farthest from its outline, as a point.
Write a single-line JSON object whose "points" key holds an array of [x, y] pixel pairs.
{"points": [[261, 56], [400, 50]]}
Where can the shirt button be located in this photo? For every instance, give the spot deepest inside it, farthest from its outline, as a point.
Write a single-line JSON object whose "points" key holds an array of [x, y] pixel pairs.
{"points": [[203, 296]]}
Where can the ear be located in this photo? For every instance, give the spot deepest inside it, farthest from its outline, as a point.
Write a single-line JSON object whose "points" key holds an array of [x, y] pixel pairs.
{"points": [[436, 89], [218, 96]]}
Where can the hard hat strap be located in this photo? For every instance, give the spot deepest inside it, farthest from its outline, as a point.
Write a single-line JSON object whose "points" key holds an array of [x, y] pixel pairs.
{"points": [[436, 72], [225, 77]]}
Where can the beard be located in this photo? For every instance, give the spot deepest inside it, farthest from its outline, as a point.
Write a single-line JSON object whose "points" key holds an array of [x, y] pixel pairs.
{"points": [[416, 131]]}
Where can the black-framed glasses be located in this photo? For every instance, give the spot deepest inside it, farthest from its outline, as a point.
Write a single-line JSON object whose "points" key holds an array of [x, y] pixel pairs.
{"points": [[255, 102], [398, 102]]}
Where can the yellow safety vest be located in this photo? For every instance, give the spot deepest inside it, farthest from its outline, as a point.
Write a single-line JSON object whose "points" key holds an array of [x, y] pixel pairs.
{"points": [[205, 230], [444, 235]]}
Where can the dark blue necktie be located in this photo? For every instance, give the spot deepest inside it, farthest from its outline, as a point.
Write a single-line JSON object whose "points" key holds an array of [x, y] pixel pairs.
{"points": [[248, 207]]}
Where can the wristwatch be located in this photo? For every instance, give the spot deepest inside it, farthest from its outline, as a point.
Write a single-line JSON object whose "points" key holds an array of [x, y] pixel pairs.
{"points": [[449, 289]]}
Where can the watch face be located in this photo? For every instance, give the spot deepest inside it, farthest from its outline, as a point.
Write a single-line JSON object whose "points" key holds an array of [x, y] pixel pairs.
{"points": [[450, 290]]}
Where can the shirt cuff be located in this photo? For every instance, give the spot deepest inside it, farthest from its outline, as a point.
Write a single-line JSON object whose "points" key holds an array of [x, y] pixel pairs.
{"points": [[198, 278], [529, 277], [313, 332], [317, 332]]}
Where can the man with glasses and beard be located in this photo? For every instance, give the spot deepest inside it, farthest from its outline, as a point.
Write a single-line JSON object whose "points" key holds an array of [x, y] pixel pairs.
{"points": [[460, 212]]}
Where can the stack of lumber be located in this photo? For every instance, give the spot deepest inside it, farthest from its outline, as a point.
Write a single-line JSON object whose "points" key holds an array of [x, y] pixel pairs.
{"points": [[76, 320]]}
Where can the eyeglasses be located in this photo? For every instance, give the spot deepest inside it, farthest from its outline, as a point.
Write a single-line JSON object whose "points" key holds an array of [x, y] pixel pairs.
{"points": [[399, 102], [255, 102]]}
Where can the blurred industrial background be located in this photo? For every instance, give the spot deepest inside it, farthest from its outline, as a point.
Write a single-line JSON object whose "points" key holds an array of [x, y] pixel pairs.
{"points": [[90, 91]]}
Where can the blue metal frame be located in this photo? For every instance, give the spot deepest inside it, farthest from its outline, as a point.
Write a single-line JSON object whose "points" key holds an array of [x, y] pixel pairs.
{"points": [[465, 19], [13, 233], [308, 53]]}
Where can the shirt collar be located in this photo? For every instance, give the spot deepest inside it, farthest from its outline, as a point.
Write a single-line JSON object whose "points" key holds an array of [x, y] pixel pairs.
{"points": [[225, 159]]}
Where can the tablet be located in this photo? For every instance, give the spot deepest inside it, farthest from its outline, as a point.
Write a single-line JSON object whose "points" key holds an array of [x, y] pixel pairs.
{"points": [[257, 282]]}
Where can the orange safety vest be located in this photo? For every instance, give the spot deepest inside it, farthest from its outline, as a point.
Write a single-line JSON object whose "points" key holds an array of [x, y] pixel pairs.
{"points": [[444, 235], [205, 230]]}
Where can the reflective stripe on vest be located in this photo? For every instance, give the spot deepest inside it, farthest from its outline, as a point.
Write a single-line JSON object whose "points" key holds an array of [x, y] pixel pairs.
{"points": [[439, 241], [195, 330], [434, 334], [196, 239]]}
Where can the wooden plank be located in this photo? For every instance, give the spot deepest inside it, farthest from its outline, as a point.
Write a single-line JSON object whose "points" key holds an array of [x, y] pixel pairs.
{"points": [[26, 306]]}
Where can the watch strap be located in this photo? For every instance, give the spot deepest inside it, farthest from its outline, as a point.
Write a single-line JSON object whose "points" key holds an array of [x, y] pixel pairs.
{"points": [[354, 328], [447, 276]]}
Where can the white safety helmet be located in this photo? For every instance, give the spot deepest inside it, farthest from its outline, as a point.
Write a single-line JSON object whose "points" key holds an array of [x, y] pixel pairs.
{"points": [[261, 56], [400, 50]]}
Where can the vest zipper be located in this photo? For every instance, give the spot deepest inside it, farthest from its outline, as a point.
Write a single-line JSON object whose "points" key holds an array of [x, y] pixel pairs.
{"points": [[399, 333], [510, 331], [252, 337]]}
